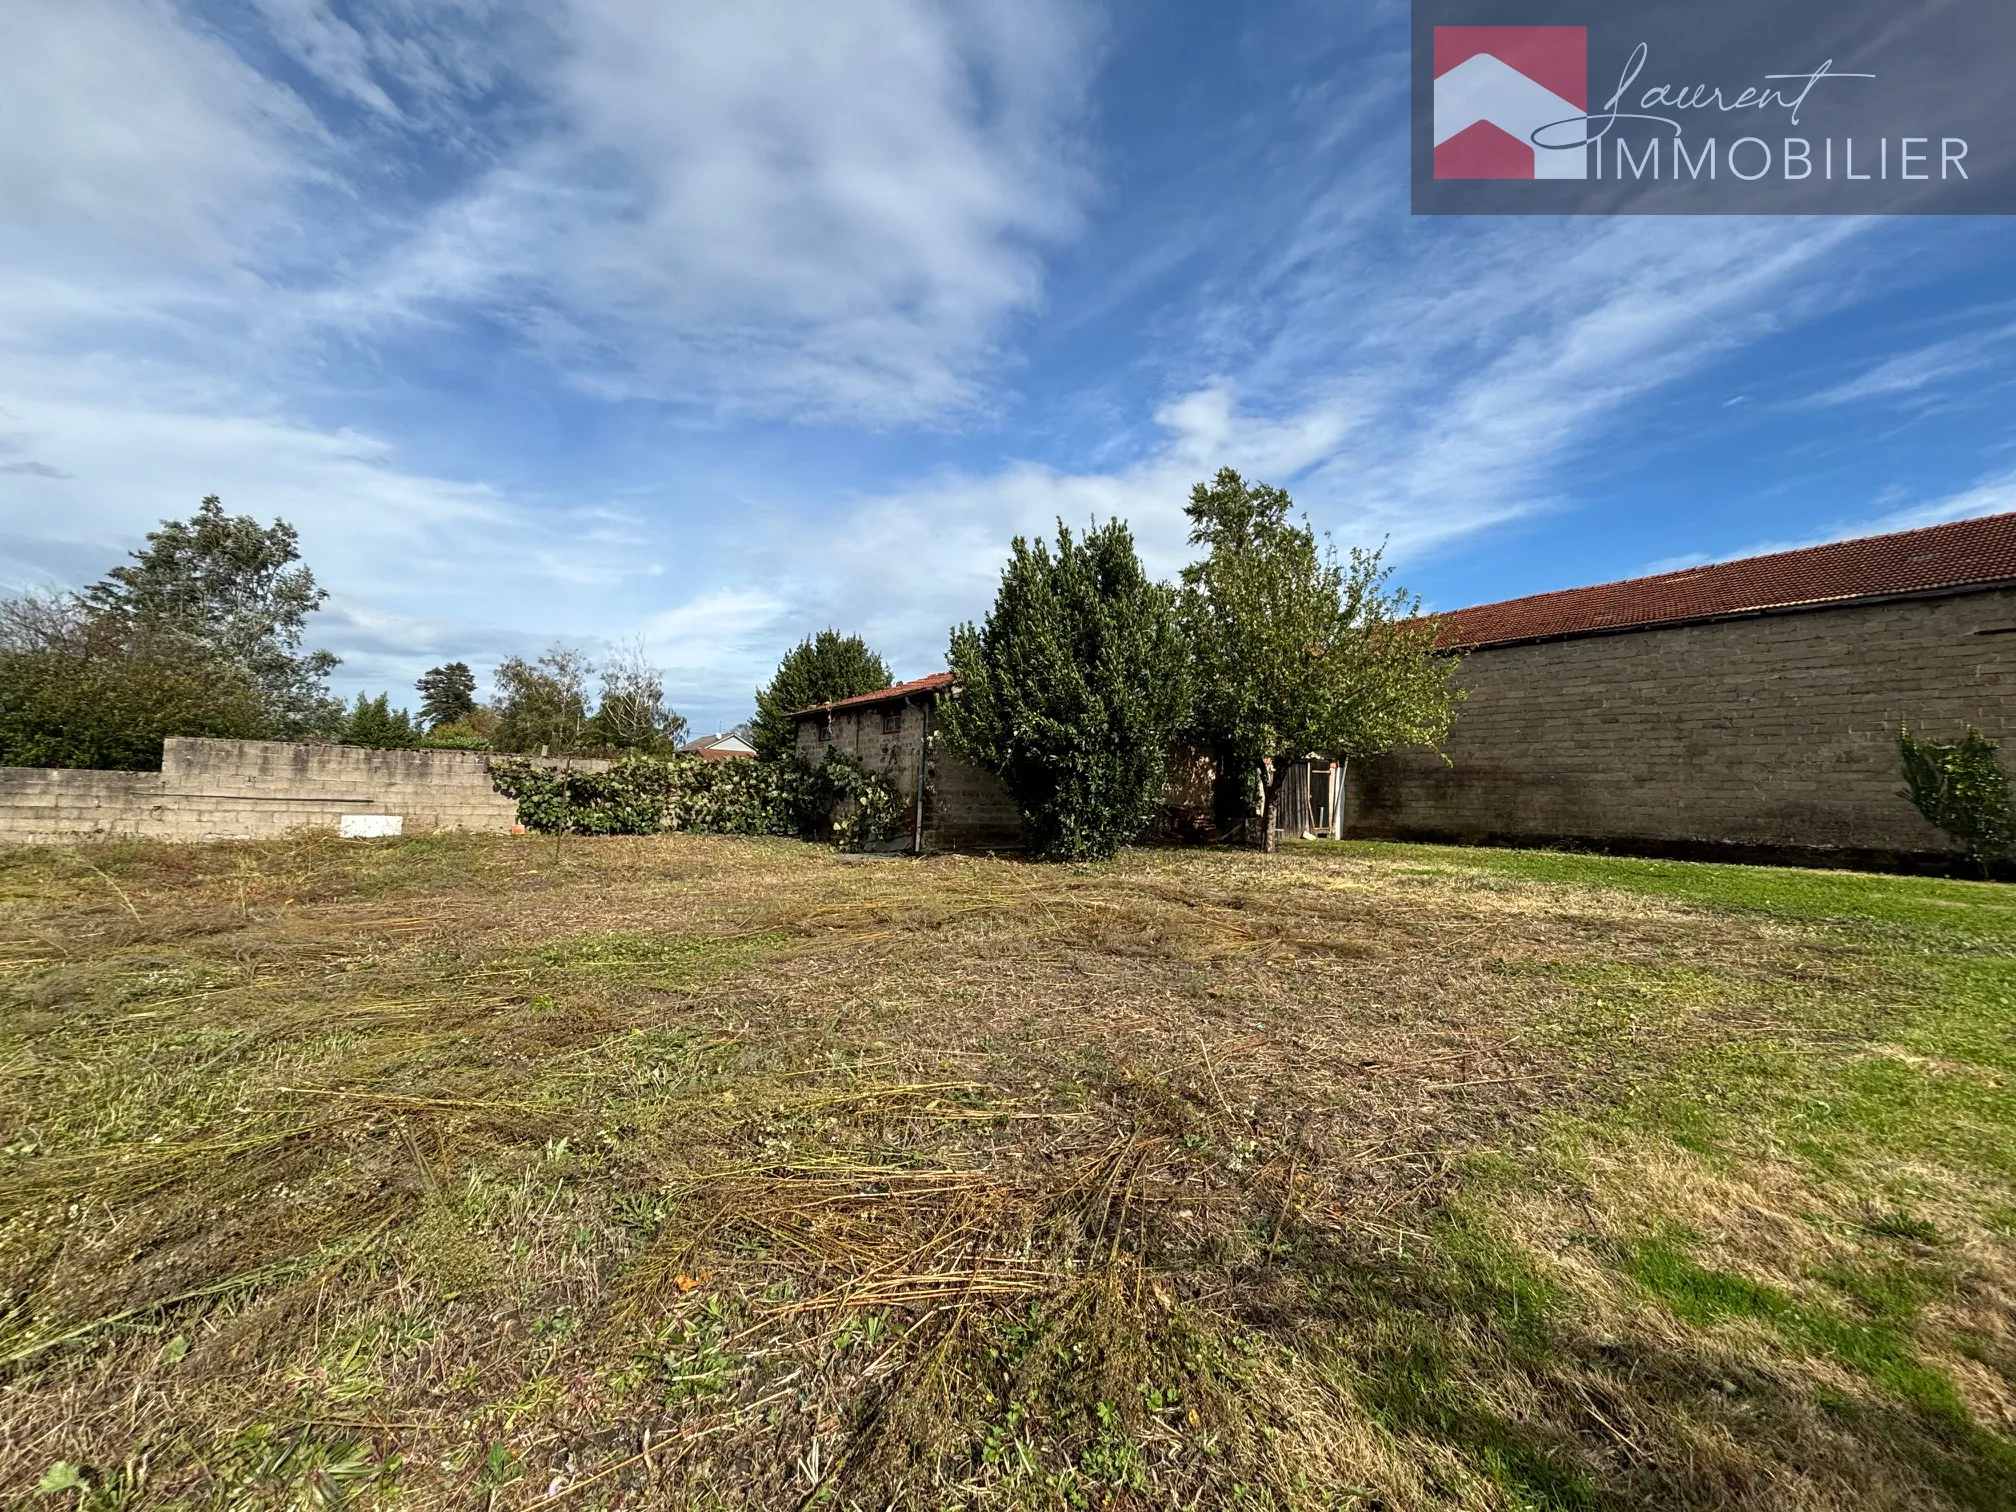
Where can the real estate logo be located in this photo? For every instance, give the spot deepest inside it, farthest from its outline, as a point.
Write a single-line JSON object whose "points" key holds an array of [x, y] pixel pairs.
{"points": [[1713, 107], [1497, 91]]}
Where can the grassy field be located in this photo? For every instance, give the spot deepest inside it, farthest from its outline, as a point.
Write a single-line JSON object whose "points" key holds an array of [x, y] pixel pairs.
{"points": [[702, 1173]]}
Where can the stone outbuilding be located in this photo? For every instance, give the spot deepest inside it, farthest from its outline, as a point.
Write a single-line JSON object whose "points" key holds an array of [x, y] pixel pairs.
{"points": [[1744, 710], [953, 805]]}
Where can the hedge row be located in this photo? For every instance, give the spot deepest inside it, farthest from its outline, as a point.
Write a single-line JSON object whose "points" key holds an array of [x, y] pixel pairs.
{"points": [[839, 801]]}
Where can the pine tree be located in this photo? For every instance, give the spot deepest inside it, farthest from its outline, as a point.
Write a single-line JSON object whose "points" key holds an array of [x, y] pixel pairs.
{"points": [[374, 722], [1073, 690], [447, 694]]}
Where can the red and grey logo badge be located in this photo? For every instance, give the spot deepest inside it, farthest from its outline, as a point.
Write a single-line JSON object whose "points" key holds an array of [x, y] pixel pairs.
{"points": [[1496, 87]]}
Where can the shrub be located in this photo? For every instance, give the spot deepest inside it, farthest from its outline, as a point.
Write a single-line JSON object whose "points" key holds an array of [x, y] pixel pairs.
{"points": [[858, 807], [1073, 691], [646, 795], [459, 735], [1960, 786], [84, 689]]}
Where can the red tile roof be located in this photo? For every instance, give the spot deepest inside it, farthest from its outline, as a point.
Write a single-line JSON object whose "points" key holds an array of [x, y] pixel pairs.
{"points": [[931, 684], [1962, 554]]}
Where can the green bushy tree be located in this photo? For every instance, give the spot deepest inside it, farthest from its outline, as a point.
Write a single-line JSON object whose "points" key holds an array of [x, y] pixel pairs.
{"points": [[1961, 786], [543, 703], [632, 714], [818, 670], [238, 592], [472, 732], [85, 689], [447, 694], [1298, 653], [1072, 690], [374, 722]]}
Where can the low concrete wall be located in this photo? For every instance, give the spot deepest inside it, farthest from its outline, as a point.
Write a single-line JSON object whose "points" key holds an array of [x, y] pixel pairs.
{"points": [[254, 789]]}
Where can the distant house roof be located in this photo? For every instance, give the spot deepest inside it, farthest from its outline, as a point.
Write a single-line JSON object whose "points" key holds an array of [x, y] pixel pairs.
{"points": [[718, 747], [932, 684], [1966, 553]]}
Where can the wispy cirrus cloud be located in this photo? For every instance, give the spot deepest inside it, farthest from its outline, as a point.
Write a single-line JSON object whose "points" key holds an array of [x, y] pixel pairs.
{"points": [[777, 206], [1907, 375]]}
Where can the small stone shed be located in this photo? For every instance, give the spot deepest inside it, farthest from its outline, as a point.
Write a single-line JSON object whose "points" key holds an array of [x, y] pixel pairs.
{"points": [[953, 805], [1746, 710]]}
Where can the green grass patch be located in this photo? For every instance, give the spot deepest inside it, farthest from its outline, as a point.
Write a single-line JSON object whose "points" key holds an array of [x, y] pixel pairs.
{"points": [[1975, 910]]}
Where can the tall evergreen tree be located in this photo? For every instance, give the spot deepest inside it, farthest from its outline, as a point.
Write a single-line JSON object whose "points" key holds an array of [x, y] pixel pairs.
{"points": [[1298, 653], [447, 694], [374, 722], [238, 592], [818, 670], [1073, 690]]}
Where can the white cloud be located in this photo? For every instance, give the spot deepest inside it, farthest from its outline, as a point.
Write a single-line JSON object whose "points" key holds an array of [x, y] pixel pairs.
{"points": [[785, 204], [775, 205], [1995, 494], [792, 209], [1910, 373], [454, 566], [124, 132], [329, 47]]}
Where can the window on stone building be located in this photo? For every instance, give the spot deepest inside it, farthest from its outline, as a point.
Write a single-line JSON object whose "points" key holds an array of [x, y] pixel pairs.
{"points": [[892, 718]]}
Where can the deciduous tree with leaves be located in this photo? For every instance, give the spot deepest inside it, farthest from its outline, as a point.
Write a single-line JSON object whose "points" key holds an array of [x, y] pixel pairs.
{"points": [[1073, 690], [238, 592], [1299, 653], [86, 689], [817, 670], [542, 704], [632, 715]]}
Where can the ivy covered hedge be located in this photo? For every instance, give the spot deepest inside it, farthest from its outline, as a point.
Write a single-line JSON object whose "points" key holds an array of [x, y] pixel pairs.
{"points": [[839, 801]]}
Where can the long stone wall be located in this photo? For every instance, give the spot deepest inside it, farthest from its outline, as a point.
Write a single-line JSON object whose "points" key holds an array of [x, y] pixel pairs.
{"points": [[253, 789], [1773, 736]]}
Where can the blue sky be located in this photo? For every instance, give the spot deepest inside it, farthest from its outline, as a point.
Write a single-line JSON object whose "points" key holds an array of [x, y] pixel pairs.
{"points": [[716, 324]]}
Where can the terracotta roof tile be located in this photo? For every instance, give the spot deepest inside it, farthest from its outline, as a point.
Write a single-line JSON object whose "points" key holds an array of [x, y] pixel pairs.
{"points": [[1963, 553], [929, 684]]}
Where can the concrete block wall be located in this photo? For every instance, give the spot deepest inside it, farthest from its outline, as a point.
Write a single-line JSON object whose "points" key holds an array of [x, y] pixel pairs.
{"points": [[254, 789], [1776, 733], [39, 804], [965, 808]]}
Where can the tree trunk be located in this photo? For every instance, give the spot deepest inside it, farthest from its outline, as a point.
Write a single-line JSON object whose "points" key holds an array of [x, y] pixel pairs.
{"points": [[1269, 802]]}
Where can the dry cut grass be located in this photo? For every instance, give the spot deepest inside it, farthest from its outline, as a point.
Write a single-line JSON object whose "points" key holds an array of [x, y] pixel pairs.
{"points": [[703, 1173]]}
